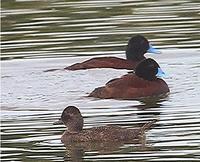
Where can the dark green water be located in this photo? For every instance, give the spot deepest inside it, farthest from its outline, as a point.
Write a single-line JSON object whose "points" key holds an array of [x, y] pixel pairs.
{"points": [[40, 35], [63, 28]]}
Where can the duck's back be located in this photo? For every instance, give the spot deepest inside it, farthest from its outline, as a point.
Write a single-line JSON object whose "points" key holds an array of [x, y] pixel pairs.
{"points": [[104, 133], [104, 62], [130, 87]]}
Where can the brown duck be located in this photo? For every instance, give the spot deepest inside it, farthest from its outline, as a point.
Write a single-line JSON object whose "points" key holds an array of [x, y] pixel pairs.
{"points": [[73, 120], [144, 82], [137, 46]]}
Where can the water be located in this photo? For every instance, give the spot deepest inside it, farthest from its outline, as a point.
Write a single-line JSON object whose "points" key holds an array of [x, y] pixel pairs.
{"points": [[40, 35]]}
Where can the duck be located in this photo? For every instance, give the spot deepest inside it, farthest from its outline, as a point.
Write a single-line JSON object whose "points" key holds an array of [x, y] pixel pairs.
{"points": [[137, 46], [145, 81], [71, 117]]}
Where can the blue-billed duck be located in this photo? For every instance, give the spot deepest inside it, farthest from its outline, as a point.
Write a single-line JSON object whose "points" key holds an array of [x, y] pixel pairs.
{"points": [[71, 117], [135, 50], [144, 82]]}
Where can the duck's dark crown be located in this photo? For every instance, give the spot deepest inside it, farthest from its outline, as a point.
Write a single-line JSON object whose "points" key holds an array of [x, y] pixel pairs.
{"points": [[147, 69], [136, 48]]}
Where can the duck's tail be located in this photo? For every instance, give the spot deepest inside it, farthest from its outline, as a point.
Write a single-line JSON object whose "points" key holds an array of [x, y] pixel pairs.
{"points": [[100, 92], [148, 125]]}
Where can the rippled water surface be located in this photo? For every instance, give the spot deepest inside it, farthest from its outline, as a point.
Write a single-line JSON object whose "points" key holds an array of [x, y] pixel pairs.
{"points": [[40, 35]]}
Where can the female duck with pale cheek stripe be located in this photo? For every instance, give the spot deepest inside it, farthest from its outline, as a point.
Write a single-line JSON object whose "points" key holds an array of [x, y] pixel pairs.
{"points": [[71, 117], [136, 48], [143, 83]]}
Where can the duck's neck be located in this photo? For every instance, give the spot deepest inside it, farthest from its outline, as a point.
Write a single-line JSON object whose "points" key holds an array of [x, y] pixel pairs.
{"points": [[134, 56], [75, 126]]}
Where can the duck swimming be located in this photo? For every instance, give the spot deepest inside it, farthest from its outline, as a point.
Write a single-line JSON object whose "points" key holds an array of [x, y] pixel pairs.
{"points": [[136, 48], [143, 83], [71, 117]]}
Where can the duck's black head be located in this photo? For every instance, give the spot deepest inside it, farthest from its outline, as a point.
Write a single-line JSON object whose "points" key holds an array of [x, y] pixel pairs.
{"points": [[148, 69], [137, 47], [72, 118]]}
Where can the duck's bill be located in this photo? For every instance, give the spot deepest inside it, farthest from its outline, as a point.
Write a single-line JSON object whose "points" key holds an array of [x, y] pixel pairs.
{"points": [[153, 50], [160, 73], [59, 122]]}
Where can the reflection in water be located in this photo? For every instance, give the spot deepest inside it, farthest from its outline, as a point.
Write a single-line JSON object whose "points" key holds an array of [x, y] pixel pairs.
{"points": [[156, 101], [76, 151]]}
